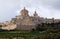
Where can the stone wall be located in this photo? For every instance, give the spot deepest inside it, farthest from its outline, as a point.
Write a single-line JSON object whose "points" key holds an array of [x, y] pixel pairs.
{"points": [[25, 27]]}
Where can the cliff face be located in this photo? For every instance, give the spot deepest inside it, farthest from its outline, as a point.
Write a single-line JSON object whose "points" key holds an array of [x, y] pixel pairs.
{"points": [[9, 27]]}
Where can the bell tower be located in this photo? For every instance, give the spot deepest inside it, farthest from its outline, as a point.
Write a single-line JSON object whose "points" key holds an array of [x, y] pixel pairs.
{"points": [[35, 14], [24, 12]]}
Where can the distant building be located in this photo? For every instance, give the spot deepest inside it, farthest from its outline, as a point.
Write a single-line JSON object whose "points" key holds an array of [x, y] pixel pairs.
{"points": [[26, 22]]}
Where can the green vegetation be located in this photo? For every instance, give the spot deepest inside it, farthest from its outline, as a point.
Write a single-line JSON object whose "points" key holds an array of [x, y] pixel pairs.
{"points": [[42, 31], [40, 34]]}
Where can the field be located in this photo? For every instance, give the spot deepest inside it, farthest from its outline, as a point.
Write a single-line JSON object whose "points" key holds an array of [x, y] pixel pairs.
{"points": [[44, 31], [40, 35]]}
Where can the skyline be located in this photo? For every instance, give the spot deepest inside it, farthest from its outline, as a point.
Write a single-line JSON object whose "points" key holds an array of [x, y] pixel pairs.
{"points": [[45, 8]]}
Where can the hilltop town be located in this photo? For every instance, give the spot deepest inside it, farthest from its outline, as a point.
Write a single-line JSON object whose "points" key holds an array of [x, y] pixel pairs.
{"points": [[26, 22]]}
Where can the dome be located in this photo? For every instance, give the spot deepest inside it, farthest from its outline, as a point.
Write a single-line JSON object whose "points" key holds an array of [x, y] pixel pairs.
{"points": [[24, 12]]}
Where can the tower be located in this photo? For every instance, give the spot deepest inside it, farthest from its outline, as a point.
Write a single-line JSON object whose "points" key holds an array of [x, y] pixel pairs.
{"points": [[35, 14], [24, 12]]}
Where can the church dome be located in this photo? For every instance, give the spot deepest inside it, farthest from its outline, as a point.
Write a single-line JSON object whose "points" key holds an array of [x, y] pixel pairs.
{"points": [[24, 12]]}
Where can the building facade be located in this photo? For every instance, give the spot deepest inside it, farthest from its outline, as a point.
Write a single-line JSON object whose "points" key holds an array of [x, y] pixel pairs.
{"points": [[26, 22]]}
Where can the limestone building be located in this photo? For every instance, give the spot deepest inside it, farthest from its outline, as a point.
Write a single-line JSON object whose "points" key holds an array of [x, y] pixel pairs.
{"points": [[26, 22]]}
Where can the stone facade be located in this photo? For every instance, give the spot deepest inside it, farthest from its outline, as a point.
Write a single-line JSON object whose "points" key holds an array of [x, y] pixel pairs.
{"points": [[26, 22]]}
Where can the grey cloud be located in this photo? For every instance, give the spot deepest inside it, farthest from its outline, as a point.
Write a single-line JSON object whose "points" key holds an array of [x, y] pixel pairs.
{"points": [[54, 3], [30, 3], [36, 3], [57, 5], [8, 9]]}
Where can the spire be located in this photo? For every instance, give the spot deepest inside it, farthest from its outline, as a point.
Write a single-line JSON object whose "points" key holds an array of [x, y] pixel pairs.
{"points": [[24, 8]]}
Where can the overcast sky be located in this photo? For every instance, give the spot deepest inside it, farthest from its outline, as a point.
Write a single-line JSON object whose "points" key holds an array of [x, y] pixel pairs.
{"points": [[45, 8]]}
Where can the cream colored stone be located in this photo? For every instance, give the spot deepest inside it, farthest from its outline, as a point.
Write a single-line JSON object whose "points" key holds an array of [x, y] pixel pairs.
{"points": [[26, 22]]}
